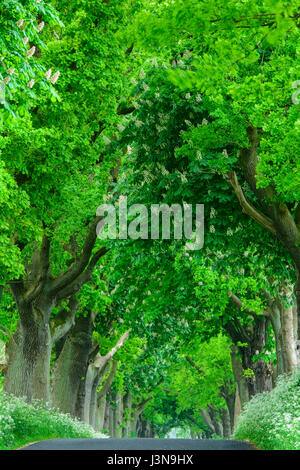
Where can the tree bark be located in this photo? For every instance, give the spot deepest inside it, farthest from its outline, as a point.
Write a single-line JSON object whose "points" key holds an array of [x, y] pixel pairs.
{"points": [[27, 344], [100, 414], [71, 366]]}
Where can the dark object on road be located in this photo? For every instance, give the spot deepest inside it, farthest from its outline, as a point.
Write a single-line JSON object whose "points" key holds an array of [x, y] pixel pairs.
{"points": [[138, 444]]}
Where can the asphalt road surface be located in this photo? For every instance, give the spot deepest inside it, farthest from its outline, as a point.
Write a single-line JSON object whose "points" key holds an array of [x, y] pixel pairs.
{"points": [[138, 444]]}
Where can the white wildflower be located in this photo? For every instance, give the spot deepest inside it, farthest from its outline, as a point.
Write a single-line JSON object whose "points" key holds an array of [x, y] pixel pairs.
{"points": [[31, 83], [204, 122]]}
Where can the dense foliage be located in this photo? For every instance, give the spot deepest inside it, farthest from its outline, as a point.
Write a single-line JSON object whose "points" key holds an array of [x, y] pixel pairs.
{"points": [[184, 102]]}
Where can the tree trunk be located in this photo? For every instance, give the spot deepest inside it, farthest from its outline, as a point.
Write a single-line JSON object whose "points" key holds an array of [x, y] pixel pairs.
{"points": [[118, 415], [226, 423], [100, 414], [106, 414], [289, 349], [237, 408], [239, 377], [215, 418], [25, 348], [208, 421], [112, 431], [71, 367], [127, 403]]}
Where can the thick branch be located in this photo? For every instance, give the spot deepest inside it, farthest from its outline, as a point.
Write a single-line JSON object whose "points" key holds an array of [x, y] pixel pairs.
{"points": [[100, 361], [248, 209], [239, 304], [83, 261], [64, 320], [193, 364], [83, 278], [42, 268], [109, 380]]}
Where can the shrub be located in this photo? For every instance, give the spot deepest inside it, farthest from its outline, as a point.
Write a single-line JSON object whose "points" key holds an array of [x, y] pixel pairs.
{"points": [[21, 423], [271, 420]]}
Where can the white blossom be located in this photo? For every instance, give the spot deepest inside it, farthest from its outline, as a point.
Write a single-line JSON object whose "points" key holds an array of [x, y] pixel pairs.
{"points": [[31, 52], [48, 74], [20, 23], [41, 26], [55, 77]]}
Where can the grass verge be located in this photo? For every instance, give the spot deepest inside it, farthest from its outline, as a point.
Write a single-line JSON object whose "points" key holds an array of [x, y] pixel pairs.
{"points": [[21, 423]]}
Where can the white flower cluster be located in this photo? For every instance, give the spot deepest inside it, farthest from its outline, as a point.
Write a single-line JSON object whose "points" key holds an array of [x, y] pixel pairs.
{"points": [[272, 420]]}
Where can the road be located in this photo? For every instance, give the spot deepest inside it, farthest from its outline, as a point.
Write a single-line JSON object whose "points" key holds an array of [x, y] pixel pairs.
{"points": [[138, 444]]}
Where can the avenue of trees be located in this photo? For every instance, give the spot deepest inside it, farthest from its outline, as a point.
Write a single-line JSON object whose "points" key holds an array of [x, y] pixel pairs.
{"points": [[178, 102]]}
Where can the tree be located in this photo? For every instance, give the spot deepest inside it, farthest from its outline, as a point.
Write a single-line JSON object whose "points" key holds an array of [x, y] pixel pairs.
{"points": [[65, 145]]}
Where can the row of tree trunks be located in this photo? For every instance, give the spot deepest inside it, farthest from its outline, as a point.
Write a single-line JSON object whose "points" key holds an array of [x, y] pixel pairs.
{"points": [[120, 418]]}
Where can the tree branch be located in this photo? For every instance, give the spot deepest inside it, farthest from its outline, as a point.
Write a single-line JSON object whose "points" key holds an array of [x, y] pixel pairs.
{"points": [[193, 364], [247, 208], [83, 278], [100, 361], [79, 266], [64, 320], [109, 380], [43, 264]]}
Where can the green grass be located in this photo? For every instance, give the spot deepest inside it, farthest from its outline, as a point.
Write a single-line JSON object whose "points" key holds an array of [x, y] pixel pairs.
{"points": [[21, 423], [271, 421]]}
